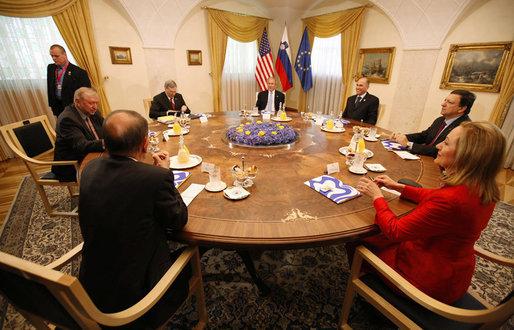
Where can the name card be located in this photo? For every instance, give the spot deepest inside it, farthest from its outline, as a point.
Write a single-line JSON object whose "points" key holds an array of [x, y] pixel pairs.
{"points": [[319, 120], [332, 168], [165, 136], [207, 167], [203, 119], [266, 116]]}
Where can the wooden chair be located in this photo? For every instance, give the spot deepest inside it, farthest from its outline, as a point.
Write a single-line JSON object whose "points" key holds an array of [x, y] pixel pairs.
{"points": [[421, 311], [147, 103], [31, 140], [44, 295], [381, 110]]}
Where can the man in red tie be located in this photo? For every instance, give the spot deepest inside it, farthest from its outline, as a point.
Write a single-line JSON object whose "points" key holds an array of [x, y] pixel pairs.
{"points": [[79, 132], [168, 102], [454, 110]]}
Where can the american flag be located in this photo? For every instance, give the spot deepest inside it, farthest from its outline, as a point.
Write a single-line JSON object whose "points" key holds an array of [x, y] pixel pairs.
{"points": [[264, 68]]}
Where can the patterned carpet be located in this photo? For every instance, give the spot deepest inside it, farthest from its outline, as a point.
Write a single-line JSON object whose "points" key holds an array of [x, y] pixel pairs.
{"points": [[307, 285]]}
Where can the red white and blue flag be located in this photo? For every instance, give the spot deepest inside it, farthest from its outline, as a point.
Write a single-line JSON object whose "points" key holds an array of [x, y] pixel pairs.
{"points": [[283, 63], [264, 68]]}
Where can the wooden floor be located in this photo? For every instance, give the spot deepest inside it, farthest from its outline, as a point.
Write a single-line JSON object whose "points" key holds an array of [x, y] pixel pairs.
{"points": [[13, 170]]}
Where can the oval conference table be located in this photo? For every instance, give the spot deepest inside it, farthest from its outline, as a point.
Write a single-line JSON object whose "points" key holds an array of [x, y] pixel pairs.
{"points": [[281, 211]]}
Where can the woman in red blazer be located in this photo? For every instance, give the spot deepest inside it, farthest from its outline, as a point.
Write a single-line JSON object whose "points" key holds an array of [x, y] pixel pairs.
{"points": [[432, 247]]}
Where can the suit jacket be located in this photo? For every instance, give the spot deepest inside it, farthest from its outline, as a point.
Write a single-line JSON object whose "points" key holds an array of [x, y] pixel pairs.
{"points": [[422, 140], [74, 78], [125, 209], [75, 140], [367, 109], [432, 247], [262, 99], [161, 104]]}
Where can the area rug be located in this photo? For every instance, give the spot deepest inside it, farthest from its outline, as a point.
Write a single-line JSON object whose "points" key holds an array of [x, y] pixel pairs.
{"points": [[307, 285]]}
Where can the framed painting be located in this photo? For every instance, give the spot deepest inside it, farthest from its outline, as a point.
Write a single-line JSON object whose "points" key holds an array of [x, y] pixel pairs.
{"points": [[194, 57], [476, 67], [375, 64], [120, 55]]}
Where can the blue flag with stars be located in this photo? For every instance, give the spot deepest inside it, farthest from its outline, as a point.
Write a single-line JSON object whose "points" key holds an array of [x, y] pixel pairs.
{"points": [[303, 62]]}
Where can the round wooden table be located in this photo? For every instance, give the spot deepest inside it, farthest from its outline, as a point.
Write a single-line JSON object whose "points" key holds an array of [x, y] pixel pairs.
{"points": [[281, 211]]}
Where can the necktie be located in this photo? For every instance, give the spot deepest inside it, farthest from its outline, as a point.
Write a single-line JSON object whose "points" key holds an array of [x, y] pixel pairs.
{"points": [[358, 101], [270, 101], [172, 103], [90, 124], [438, 133]]}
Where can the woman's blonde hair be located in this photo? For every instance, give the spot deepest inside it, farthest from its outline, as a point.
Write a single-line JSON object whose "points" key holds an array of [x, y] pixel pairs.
{"points": [[479, 157]]}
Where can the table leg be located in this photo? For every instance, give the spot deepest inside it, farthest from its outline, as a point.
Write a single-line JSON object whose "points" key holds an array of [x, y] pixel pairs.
{"points": [[247, 259]]}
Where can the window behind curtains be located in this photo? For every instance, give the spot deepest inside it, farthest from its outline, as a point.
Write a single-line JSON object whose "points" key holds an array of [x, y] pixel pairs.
{"points": [[238, 84], [25, 44], [327, 87]]}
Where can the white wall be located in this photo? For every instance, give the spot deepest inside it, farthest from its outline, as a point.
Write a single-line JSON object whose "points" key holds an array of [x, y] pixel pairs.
{"points": [[127, 85], [486, 21]]}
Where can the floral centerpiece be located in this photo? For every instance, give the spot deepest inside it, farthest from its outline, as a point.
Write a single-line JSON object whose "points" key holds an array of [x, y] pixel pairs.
{"points": [[261, 134]]}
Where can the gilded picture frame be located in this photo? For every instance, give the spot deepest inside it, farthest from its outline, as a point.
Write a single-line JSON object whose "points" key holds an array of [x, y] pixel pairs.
{"points": [[476, 67], [375, 64], [120, 55], [194, 57]]}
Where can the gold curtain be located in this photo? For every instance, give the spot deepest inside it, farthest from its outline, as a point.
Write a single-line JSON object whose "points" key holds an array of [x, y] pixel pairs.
{"points": [[348, 23], [73, 20], [33, 8], [77, 31], [507, 91], [223, 24]]}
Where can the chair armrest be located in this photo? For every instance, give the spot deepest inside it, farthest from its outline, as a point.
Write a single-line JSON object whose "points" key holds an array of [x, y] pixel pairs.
{"points": [[448, 311], [66, 258], [493, 257], [132, 313]]}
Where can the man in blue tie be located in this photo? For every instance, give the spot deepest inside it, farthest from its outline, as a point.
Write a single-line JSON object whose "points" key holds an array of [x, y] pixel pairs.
{"points": [[454, 110], [270, 99], [63, 79]]}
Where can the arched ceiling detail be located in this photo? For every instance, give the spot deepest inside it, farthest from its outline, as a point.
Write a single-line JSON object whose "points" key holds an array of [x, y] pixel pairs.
{"points": [[422, 24]]}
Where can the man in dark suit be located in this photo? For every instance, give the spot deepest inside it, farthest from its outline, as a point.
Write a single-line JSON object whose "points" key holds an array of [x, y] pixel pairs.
{"points": [[79, 132], [168, 102], [63, 79], [126, 208], [454, 110], [362, 106], [265, 102]]}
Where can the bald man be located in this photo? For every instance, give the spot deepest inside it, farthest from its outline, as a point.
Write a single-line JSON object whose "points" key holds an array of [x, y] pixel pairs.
{"points": [[127, 207], [63, 79], [362, 106]]}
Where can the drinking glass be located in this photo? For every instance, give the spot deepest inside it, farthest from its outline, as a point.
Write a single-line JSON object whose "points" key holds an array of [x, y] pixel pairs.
{"points": [[214, 175], [358, 161]]}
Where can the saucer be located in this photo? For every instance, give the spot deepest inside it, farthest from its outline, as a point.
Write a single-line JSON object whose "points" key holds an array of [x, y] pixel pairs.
{"points": [[344, 151], [170, 132], [334, 130], [278, 119], [215, 186], [235, 193], [193, 161], [370, 139], [355, 171]]}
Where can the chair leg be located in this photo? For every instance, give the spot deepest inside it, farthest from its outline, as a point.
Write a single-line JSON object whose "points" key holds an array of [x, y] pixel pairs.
{"points": [[199, 292], [48, 206], [350, 291]]}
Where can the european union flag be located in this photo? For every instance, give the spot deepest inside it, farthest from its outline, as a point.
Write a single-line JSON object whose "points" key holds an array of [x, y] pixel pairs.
{"points": [[303, 62]]}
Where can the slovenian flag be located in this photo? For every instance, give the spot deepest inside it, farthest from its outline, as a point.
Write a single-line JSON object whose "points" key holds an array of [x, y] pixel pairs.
{"points": [[283, 63]]}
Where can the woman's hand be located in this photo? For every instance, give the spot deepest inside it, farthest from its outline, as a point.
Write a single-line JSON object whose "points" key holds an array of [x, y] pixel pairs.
{"points": [[369, 188], [385, 181]]}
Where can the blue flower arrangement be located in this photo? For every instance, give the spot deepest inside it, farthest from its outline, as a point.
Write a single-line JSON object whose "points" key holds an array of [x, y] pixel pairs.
{"points": [[259, 133]]}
